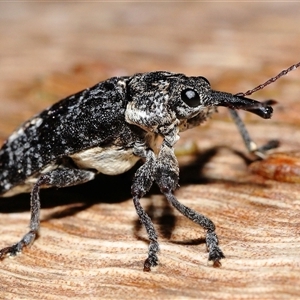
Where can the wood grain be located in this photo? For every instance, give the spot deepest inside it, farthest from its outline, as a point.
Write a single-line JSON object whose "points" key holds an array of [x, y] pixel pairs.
{"points": [[91, 245]]}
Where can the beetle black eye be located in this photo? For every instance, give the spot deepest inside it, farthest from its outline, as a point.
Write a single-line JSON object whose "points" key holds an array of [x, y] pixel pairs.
{"points": [[190, 97]]}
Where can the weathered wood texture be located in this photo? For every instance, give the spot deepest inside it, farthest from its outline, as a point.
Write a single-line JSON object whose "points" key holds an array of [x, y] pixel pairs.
{"points": [[91, 244]]}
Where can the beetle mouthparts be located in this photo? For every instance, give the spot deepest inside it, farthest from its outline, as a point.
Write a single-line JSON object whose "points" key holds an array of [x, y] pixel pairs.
{"points": [[264, 110]]}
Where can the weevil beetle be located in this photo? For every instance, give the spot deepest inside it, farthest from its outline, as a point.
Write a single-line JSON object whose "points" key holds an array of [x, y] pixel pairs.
{"points": [[108, 128]]}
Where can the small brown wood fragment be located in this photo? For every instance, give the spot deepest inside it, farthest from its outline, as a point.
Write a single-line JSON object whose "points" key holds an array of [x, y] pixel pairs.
{"points": [[284, 167]]}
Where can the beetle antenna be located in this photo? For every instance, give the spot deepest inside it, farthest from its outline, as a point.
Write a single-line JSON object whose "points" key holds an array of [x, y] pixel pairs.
{"points": [[269, 81]]}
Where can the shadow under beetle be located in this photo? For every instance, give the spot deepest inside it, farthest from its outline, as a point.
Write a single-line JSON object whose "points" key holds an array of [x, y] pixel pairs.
{"points": [[108, 128]]}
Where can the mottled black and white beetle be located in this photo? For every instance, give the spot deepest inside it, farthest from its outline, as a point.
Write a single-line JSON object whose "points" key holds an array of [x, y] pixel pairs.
{"points": [[107, 129]]}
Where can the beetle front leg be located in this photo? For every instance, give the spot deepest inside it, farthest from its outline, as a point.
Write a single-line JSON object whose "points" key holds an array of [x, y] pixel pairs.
{"points": [[259, 152], [141, 184], [167, 175], [57, 178]]}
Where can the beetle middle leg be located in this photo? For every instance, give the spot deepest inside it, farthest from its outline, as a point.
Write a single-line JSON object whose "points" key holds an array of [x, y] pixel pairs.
{"points": [[61, 177]]}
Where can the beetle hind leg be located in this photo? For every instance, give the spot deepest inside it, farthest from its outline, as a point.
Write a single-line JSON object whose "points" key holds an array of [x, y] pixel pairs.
{"points": [[61, 177]]}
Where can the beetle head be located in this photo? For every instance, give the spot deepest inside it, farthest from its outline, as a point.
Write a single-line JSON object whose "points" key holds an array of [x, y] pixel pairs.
{"points": [[157, 99], [196, 95]]}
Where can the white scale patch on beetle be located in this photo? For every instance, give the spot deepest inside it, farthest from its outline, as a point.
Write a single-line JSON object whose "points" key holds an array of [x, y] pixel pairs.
{"points": [[110, 161], [107, 129], [15, 135]]}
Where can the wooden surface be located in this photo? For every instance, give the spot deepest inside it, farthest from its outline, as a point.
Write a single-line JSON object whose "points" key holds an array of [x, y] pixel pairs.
{"points": [[91, 245]]}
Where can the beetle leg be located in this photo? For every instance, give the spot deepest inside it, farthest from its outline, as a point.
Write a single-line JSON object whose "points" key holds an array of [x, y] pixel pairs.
{"points": [[61, 177], [166, 177], [141, 184], [260, 152]]}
